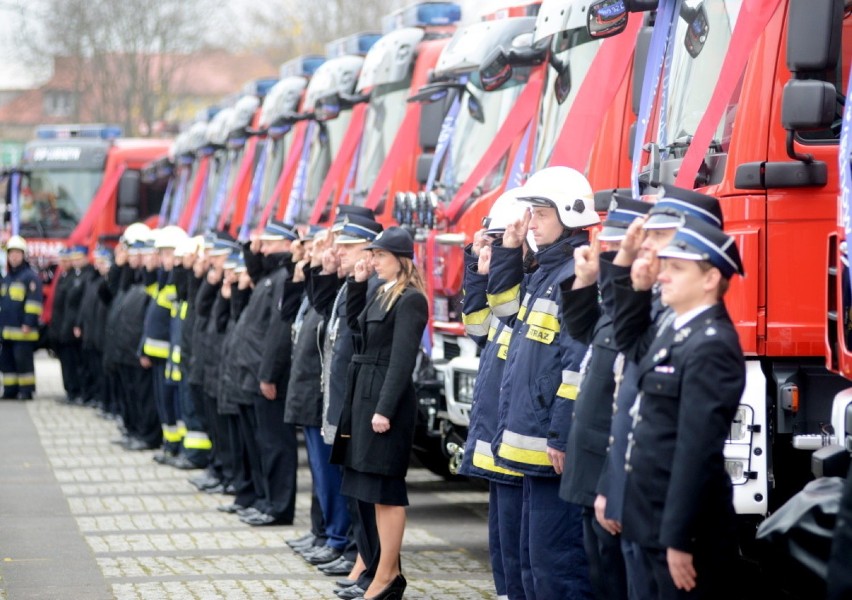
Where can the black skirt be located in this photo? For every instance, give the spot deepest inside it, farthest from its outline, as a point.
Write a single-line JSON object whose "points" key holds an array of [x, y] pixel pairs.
{"points": [[375, 489]]}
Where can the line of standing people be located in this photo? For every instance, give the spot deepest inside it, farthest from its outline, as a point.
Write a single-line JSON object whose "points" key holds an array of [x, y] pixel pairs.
{"points": [[609, 377]]}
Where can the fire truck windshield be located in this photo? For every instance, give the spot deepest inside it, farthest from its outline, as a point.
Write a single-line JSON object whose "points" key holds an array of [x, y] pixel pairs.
{"points": [[387, 109], [472, 137], [695, 67], [52, 202], [576, 49]]}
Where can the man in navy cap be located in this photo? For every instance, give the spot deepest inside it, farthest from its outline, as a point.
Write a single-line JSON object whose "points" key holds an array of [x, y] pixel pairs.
{"points": [[643, 235], [263, 338], [678, 501], [354, 232], [590, 322]]}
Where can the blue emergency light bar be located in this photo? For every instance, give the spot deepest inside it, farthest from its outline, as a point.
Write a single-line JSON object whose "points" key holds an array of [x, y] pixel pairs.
{"points": [[358, 44], [95, 130], [423, 14], [259, 87], [303, 66]]}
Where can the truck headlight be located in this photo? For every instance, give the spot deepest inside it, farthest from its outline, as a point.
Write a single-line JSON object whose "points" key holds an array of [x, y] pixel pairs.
{"points": [[463, 386], [736, 470]]}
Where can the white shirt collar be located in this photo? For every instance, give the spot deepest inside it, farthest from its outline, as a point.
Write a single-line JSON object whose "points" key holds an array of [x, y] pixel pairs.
{"points": [[388, 285], [686, 317]]}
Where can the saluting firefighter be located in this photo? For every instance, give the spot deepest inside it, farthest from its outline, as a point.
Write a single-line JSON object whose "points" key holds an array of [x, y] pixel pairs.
{"points": [[678, 504], [540, 377], [505, 499], [20, 309]]}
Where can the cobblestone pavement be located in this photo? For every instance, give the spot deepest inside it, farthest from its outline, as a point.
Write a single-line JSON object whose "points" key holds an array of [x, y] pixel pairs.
{"points": [[154, 537]]}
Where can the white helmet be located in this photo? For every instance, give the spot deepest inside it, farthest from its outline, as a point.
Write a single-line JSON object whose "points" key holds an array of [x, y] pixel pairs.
{"points": [[506, 209], [136, 232], [566, 190], [169, 236], [187, 246], [16, 242]]}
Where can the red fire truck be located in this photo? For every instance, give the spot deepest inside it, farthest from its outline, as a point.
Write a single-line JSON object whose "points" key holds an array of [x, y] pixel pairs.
{"points": [[76, 184]]}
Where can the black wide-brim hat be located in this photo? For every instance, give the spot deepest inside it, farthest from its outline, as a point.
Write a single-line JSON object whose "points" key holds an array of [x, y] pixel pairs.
{"points": [[395, 240]]}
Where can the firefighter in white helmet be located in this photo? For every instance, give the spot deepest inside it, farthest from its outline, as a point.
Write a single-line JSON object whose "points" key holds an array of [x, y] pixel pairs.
{"points": [[541, 375], [20, 309]]}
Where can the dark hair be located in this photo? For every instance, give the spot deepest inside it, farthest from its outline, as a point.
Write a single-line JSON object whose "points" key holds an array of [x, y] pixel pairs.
{"points": [[724, 282]]}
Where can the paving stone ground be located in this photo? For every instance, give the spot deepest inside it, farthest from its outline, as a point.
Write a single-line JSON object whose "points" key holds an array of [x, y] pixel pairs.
{"points": [[153, 536]]}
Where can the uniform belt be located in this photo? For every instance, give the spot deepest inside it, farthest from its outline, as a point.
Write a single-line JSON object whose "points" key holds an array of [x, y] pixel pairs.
{"points": [[370, 359]]}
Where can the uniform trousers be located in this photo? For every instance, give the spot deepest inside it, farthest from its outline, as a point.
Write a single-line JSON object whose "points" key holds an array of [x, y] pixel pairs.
{"points": [[713, 572], [639, 578], [505, 503], [165, 395], [606, 561], [239, 466], [276, 459], [327, 479], [69, 359], [94, 390], [16, 364], [196, 443], [366, 534], [553, 558], [142, 420]]}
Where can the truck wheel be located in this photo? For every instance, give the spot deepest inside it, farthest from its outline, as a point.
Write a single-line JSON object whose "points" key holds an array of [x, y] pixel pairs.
{"points": [[429, 453]]}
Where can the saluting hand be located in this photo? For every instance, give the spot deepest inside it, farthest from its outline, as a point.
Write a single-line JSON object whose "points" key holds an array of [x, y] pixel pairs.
{"points": [[330, 261], [587, 263], [516, 232], [629, 249], [299, 271], [362, 270], [380, 423], [644, 271], [479, 242], [484, 264], [681, 569]]}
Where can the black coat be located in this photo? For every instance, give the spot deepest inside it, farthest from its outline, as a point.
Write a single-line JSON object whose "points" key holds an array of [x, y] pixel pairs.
{"points": [[91, 318], [304, 390], [126, 321], [205, 296], [60, 293], [588, 439], [76, 287], [229, 379], [263, 331], [387, 344], [678, 494], [214, 336]]}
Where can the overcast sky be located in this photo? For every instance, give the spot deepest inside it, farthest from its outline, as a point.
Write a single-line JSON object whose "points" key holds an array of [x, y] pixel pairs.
{"points": [[15, 74]]}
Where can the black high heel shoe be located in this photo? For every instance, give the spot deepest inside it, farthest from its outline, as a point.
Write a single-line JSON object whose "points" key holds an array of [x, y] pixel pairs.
{"points": [[393, 591]]}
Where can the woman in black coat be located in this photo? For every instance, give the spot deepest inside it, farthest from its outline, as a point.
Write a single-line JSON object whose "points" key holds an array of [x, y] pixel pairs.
{"points": [[376, 429]]}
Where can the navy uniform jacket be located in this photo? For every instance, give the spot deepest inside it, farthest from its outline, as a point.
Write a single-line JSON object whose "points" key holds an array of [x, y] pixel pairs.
{"points": [[678, 494], [589, 436], [20, 304], [493, 336], [540, 379]]}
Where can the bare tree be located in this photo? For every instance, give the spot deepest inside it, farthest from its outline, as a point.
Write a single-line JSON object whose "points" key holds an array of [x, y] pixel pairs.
{"points": [[125, 53], [287, 28]]}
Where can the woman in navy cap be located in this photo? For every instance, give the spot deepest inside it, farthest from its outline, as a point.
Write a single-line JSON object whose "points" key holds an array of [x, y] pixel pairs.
{"points": [[374, 436]]}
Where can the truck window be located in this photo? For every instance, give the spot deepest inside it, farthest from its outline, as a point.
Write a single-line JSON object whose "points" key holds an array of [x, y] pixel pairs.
{"points": [[54, 201]]}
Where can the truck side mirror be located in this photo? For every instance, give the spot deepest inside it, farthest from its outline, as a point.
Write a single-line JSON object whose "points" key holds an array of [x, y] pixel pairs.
{"points": [[127, 205], [808, 105], [606, 18], [813, 35], [496, 69], [327, 108]]}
